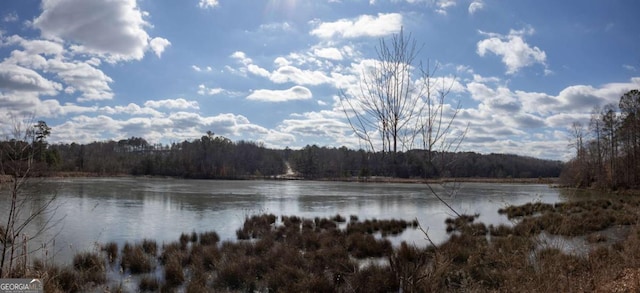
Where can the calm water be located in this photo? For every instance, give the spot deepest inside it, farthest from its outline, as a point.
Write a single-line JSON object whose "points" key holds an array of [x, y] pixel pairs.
{"points": [[130, 209]]}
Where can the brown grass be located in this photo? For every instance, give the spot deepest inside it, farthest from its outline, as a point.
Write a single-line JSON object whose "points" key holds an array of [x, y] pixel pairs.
{"points": [[149, 284], [111, 248], [136, 260], [91, 267]]}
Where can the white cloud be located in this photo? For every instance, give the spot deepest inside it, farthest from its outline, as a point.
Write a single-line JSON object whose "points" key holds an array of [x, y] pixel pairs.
{"points": [[158, 45], [294, 93], [51, 58], [301, 77], [281, 61], [441, 5], [362, 26], [328, 53], [18, 78], [205, 91], [476, 6], [10, 17], [500, 99], [130, 109], [257, 70], [82, 76], [199, 69], [112, 29], [513, 49], [242, 57], [271, 27], [178, 103], [208, 4]]}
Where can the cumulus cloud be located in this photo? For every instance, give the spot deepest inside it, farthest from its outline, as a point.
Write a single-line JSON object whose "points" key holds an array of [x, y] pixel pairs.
{"points": [[257, 70], [18, 78], [513, 49], [51, 58], [298, 76], [294, 93], [82, 76], [362, 26], [178, 103], [158, 45], [130, 109], [328, 53], [476, 6], [248, 66], [34, 47], [114, 29]]}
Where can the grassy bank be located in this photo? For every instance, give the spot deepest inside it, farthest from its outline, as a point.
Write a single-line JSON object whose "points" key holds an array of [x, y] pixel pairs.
{"points": [[347, 254]]}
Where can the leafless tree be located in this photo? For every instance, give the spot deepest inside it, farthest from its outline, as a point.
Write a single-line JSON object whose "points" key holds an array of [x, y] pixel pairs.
{"points": [[29, 214], [399, 104], [399, 101]]}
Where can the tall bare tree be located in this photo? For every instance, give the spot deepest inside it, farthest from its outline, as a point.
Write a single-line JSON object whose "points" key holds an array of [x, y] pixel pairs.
{"points": [[399, 101], [28, 214], [388, 97]]}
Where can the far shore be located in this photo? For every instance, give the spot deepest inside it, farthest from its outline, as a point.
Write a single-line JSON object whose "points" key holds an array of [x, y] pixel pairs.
{"points": [[371, 179]]}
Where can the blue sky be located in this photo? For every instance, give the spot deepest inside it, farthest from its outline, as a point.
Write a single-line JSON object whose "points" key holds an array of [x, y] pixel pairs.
{"points": [[271, 71]]}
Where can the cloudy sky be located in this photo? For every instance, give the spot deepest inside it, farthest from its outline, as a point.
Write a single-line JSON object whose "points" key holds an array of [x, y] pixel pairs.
{"points": [[271, 70]]}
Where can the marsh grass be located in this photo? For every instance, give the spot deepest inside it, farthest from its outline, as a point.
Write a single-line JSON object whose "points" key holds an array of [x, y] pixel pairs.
{"points": [[209, 238], [137, 259], [111, 249], [301, 255], [90, 267], [149, 284]]}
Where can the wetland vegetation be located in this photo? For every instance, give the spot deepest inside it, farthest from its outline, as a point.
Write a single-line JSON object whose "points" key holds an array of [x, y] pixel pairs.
{"points": [[344, 254]]}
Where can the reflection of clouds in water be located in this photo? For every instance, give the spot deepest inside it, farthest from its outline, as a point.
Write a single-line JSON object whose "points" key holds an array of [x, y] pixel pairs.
{"points": [[130, 209]]}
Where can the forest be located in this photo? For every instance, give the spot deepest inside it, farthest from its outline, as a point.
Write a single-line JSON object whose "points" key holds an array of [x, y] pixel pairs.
{"points": [[608, 148], [216, 157]]}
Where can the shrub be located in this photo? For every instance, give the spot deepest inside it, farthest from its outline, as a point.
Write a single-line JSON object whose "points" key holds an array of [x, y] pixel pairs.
{"points": [[209, 238], [173, 273], [135, 259], [150, 247], [338, 218]]}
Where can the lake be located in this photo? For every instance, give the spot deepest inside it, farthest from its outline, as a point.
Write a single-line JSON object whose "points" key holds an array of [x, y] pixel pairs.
{"points": [[99, 210]]}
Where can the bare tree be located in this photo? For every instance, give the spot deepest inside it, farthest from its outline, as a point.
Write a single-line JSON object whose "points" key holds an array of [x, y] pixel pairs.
{"points": [[388, 98], [28, 214], [399, 101]]}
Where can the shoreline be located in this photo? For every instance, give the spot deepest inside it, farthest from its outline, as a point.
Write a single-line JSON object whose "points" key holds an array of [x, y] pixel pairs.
{"points": [[372, 179]]}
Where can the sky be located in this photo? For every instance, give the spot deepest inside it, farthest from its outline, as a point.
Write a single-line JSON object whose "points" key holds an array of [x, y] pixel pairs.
{"points": [[272, 71]]}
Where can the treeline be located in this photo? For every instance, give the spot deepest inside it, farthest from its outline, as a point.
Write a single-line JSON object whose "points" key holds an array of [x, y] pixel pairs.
{"points": [[608, 149], [322, 162], [214, 156], [208, 157]]}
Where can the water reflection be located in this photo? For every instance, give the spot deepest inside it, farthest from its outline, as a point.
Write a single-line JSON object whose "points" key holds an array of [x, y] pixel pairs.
{"points": [[130, 209]]}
